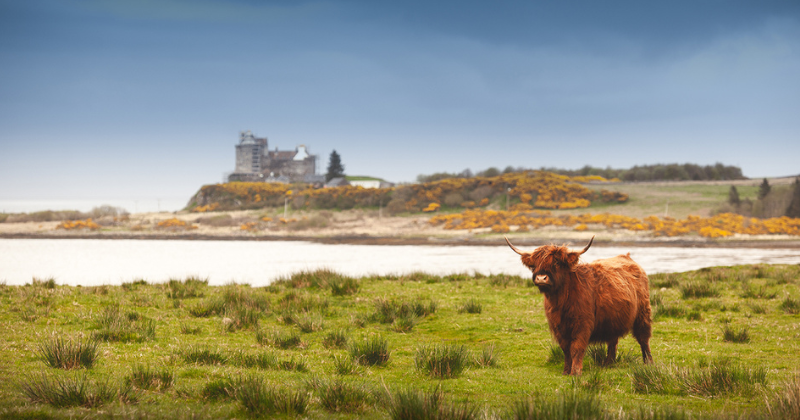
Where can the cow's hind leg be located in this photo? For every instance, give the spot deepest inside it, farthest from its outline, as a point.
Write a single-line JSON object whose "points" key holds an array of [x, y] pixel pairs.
{"points": [[611, 354], [642, 332]]}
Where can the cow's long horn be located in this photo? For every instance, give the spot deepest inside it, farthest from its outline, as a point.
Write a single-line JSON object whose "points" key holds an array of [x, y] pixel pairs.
{"points": [[587, 246], [513, 247]]}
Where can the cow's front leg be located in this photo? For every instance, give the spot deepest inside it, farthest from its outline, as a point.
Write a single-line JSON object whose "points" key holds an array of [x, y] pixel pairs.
{"points": [[578, 348], [567, 358]]}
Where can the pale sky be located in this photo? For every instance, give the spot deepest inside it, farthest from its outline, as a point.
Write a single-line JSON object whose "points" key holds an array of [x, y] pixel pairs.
{"points": [[145, 98]]}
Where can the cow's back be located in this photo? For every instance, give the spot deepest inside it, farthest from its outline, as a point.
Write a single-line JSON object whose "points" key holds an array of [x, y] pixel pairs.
{"points": [[621, 288]]}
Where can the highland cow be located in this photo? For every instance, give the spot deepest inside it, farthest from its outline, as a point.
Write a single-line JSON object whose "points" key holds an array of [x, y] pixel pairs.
{"points": [[589, 303]]}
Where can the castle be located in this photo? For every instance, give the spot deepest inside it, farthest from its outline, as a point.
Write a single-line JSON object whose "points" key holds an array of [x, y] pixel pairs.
{"points": [[256, 163]]}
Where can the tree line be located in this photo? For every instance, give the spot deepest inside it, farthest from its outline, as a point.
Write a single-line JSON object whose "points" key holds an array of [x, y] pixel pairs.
{"points": [[770, 202], [658, 172]]}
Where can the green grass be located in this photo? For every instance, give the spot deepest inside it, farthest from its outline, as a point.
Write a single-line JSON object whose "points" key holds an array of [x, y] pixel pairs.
{"points": [[442, 361], [194, 366]]}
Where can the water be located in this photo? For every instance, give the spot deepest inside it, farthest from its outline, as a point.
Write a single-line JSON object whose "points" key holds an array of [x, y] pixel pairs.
{"points": [[91, 262]]}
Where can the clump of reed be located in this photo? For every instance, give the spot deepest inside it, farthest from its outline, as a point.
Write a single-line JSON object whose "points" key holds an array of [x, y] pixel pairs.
{"points": [[335, 339], [202, 355], [262, 400], [698, 289], [115, 325], [472, 306], [568, 405], [279, 338], [73, 391], [372, 351], [442, 361], [337, 396], [735, 335], [238, 304], [388, 311], [411, 404], [61, 353], [190, 287], [147, 377]]}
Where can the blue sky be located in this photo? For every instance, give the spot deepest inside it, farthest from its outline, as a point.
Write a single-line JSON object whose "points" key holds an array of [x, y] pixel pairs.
{"points": [[141, 99]]}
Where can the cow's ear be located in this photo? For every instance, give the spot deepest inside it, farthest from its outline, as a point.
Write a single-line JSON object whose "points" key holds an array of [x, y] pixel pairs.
{"points": [[573, 258]]}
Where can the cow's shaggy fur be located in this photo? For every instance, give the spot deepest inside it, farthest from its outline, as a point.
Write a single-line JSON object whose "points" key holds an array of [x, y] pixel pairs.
{"points": [[587, 303]]}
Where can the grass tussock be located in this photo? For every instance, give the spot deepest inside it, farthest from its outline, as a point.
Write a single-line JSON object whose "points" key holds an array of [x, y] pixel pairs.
{"points": [[487, 357], [337, 396], [320, 278], [790, 305], [187, 328], [204, 356], [693, 290], [344, 365], [344, 286], [785, 402], [735, 335], [114, 324], [413, 404], [61, 353], [239, 305], [442, 361], [262, 400], [336, 339], [722, 377], [220, 389], [294, 302], [371, 351], [568, 405], [191, 287], [387, 311], [281, 339], [310, 323], [61, 392], [472, 306], [147, 377]]}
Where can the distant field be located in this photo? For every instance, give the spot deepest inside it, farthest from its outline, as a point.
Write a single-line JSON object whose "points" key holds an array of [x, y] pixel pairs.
{"points": [[725, 343], [674, 199]]}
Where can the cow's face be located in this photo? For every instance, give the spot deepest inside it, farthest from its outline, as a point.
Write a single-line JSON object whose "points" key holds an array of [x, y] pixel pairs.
{"points": [[550, 265]]}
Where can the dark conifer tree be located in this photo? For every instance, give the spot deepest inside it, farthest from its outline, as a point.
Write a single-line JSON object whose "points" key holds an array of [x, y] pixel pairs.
{"points": [[794, 206], [335, 167], [733, 197], [764, 189]]}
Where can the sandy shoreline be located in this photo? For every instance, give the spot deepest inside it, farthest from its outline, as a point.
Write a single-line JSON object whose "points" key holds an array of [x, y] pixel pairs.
{"points": [[369, 228]]}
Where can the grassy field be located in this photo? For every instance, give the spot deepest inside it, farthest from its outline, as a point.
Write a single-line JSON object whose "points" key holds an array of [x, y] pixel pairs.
{"points": [[726, 344]]}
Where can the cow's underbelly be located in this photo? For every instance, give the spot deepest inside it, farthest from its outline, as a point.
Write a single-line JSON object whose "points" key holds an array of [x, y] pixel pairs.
{"points": [[607, 330]]}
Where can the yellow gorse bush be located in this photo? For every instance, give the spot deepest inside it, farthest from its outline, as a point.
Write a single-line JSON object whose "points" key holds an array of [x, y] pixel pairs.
{"points": [[530, 189], [78, 224], [718, 226], [174, 224]]}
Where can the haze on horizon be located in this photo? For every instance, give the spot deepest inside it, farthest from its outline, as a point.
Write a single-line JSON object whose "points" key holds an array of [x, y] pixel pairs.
{"points": [[143, 99]]}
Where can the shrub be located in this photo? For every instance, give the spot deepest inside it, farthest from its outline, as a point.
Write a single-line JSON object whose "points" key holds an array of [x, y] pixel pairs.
{"points": [[412, 404], [472, 306], [442, 361], [370, 352], [260, 400], [67, 354], [145, 377]]}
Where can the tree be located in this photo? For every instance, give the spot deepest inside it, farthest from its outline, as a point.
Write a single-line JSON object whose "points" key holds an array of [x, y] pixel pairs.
{"points": [[733, 197], [764, 189], [794, 206], [335, 167]]}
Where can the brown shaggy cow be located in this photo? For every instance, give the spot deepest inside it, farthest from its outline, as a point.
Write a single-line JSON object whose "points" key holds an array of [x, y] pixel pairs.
{"points": [[587, 303]]}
